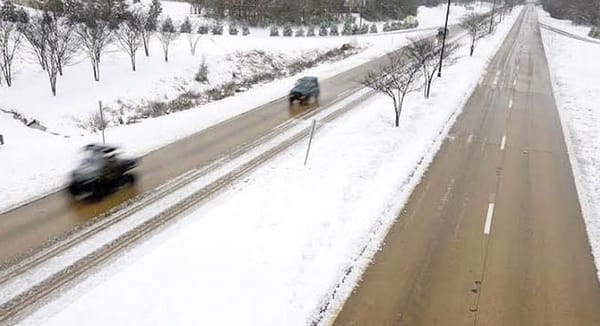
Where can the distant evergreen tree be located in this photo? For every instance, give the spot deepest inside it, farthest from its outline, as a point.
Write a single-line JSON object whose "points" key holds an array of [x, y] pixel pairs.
{"points": [[323, 30], [203, 29], [233, 29], [186, 26], [347, 28], [333, 31]]}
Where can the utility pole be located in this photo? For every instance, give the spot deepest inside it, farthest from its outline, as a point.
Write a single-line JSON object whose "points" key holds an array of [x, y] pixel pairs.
{"points": [[362, 8], [492, 18], [444, 39]]}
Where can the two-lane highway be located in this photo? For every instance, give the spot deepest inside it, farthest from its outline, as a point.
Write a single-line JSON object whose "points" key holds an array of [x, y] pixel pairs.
{"points": [[494, 234]]}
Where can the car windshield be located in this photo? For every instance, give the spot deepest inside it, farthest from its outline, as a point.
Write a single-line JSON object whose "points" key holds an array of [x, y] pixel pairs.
{"points": [[305, 82]]}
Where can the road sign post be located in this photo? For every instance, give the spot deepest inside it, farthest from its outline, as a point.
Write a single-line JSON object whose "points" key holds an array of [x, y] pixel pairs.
{"points": [[312, 132], [102, 125]]}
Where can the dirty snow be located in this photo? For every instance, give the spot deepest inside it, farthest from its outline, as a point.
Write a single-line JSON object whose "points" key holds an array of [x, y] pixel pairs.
{"points": [[575, 68], [269, 250]]}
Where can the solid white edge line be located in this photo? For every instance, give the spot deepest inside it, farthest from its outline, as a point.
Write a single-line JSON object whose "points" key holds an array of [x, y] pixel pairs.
{"points": [[503, 144], [488, 219]]}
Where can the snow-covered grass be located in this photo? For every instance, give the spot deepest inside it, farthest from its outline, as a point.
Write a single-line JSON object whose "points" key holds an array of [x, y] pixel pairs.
{"points": [[270, 250], [575, 75], [25, 178]]}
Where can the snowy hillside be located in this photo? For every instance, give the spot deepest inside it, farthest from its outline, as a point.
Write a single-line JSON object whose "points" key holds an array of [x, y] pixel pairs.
{"points": [[123, 91]]}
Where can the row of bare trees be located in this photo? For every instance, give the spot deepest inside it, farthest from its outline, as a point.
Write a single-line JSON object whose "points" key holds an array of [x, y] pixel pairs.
{"points": [[414, 66], [65, 30]]}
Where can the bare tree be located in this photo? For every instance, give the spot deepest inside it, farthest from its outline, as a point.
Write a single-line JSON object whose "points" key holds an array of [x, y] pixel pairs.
{"points": [[188, 29], [168, 33], [12, 20], [427, 54], [148, 23], [95, 35], [63, 42], [52, 39], [129, 35], [474, 24], [395, 79], [37, 39]]}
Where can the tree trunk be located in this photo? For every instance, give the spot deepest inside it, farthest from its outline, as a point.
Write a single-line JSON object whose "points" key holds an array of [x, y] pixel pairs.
{"points": [[145, 41], [132, 57], [96, 70], [396, 112], [59, 66], [53, 86], [166, 55], [428, 87]]}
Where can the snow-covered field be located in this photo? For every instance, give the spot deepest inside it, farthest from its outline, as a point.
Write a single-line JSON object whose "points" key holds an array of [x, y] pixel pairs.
{"points": [[34, 163], [271, 249], [575, 70]]}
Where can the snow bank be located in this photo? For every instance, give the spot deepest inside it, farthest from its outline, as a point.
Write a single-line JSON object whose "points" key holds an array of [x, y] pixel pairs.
{"points": [[271, 249], [574, 69]]}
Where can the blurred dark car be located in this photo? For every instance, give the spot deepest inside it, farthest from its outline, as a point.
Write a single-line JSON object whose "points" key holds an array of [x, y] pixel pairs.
{"points": [[306, 88], [101, 172]]}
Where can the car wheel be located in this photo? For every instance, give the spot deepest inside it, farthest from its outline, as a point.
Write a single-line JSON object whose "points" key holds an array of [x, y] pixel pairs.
{"points": [[74, 189]]}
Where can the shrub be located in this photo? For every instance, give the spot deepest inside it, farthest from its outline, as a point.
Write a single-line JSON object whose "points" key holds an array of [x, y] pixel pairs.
{"points": [[287, 30], [364, 29], [203, 29], [594, 32], [374, 28], [386, 27], [334, 30], [323, 30], [233, 29], [217, 29], [201, 75], [245, 30], [347, 28], [274, 31], [299, 32], [311, 31]]}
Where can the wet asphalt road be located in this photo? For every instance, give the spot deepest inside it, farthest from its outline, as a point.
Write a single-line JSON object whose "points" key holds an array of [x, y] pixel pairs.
{"points": [[494, 234]]}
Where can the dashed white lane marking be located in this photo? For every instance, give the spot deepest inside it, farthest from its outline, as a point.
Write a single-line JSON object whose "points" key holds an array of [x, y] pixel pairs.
{"points": [[484, 144], [503, 144], [488, 219], [490, 215], [510, 103], [470, 139], [515, 82]]}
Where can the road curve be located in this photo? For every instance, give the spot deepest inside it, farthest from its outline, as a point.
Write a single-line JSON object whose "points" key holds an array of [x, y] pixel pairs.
{"points": [[493, 235]]}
